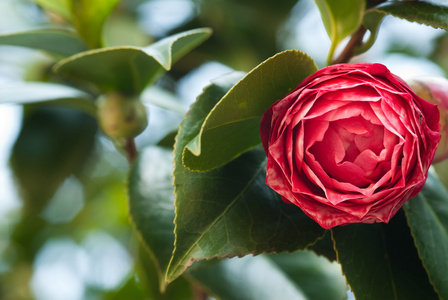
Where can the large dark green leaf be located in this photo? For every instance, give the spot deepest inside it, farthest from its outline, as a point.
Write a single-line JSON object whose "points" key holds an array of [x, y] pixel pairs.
{"points": [[341, 19], [151, 204], [54, 143], [56, 41], [248, 278], [230, 211], [130, 69], [427, 216], [434, 15], [37, 92], [380, 261], [233, 125]]}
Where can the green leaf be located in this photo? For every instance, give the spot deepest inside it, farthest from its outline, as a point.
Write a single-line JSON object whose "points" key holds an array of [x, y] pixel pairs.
{"points": [[230, 211], [151, 205], [61, 7], [380, 261], [233, 125], [54, 143], [56, 41], [88, 17], [38, 92], [248, 278], [130, 69], [324, 247], [315, 276], [159, 97], [341, 19], [372, 21], [148, 275], [427, 215], [422, 12]]}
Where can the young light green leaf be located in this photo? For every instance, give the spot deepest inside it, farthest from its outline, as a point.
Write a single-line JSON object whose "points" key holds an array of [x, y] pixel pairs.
{"points": [[89, 17], [151, 205], [427, 216], [341, 19], [382, 255], [422, 12], [61, 7], [37, 92], [248, 278], [229, 211], [372, 21], [130, 69], [56, 41], [233, 125]]}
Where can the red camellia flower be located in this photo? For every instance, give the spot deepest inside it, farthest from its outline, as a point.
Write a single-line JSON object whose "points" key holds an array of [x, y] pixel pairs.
{"points": [[350, 144]]}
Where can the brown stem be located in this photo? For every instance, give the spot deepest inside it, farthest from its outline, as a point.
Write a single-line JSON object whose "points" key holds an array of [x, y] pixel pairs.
{"points": [[352, 44], [131, 150], [199, 293]]}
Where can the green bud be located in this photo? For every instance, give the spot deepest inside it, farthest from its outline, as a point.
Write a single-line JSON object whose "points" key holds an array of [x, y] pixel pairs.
{"points": [[121, 116]]}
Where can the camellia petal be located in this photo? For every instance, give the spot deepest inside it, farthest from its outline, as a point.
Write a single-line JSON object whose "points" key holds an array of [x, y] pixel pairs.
{"points": [[351, 144]]}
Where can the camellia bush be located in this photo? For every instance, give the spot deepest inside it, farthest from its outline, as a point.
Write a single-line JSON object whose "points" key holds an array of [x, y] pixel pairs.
{"points": [[286, 182]]}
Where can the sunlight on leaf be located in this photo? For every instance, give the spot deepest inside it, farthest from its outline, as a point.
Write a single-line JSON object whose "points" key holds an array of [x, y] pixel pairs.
{"points": [[341, 18], [233, 126], [61, 7], [130, 69], [56, 41], [89, 17]]}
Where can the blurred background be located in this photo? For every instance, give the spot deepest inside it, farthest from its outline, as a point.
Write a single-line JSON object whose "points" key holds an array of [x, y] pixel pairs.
{"points": [[69, 237]]}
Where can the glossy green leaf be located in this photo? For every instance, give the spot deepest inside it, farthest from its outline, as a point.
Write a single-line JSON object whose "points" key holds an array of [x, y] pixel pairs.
{"points": [[54, 143], [149, 277], [130, 69], [248, 278], [38, 92], [427, 215], [422, 12], [233, 125], [315, 276], [151, 204], [55, 41], [324, 247], [341, 19], [61, 7], [380, 261], [230, 211], [372, 21], [89, 17]]}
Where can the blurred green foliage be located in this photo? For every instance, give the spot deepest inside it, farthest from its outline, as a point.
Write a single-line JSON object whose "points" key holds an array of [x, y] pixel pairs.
{"points": [[58, 145]]}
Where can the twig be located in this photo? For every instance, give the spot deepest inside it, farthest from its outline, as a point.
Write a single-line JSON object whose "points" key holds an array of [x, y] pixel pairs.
{"points": [[131, 150], [199, 293], [352, 44]]}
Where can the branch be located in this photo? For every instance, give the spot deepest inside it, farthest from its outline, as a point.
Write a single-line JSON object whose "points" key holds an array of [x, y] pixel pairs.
{"points": [[355, 41], [131, 150]]}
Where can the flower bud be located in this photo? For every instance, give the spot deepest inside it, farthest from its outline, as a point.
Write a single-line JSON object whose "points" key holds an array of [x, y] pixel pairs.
{"points": [[435, 90], [121, 116]]}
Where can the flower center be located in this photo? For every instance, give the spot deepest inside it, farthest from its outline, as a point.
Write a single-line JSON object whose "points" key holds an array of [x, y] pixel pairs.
{"points": [[351, 150]]}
